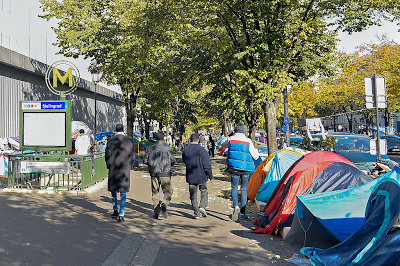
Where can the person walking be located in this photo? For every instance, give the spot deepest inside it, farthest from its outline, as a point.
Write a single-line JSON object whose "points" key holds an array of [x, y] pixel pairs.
{"points": [[202, 140], [198, 168], [211, 149], [82, 143], [169, 139], [241, 156], [120, 157], [160, 159]]}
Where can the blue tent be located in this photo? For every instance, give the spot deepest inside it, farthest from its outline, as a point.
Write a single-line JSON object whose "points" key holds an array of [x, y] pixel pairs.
{"points": [[376, 242], [102, 135], [222, 140], [332, 219], [280, 164]]}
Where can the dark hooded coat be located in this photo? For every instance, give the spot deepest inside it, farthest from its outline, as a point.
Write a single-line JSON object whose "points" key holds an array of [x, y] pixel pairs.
{"points": [[120, 157]]}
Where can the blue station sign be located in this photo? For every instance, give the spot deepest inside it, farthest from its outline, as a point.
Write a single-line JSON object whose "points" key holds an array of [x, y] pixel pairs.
{"points": [[56, 105]]}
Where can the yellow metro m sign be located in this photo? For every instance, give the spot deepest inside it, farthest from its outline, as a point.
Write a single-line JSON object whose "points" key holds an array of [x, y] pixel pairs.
{"points": [[57, 75], [53, 75]]}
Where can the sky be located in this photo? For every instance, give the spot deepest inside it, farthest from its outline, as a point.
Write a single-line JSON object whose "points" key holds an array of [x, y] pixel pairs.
{"points": [[22, 31], [349, 43]]}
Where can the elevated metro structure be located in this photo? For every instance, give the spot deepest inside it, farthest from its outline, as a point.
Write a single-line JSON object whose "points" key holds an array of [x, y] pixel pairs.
{"points": [[23, 79]]}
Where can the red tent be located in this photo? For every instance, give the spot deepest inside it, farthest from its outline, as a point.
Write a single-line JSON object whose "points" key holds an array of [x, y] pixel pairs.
{"points": [[305, 169]]}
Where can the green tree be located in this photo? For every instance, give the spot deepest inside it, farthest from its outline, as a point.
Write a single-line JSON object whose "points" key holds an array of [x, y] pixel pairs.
{"points": [[272, 43]]}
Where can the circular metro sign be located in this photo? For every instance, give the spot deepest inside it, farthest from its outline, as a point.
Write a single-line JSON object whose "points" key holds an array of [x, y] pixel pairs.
{"points": [[54, 76]]}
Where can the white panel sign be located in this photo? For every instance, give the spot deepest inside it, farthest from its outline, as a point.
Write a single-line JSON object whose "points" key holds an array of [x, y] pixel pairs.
{"points": [[314, 124], [45, 167], [373, 147], [44, 129], [381, 86], [370, 93]]}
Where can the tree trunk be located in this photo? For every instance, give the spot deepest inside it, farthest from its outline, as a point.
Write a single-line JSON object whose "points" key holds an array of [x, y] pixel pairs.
{"points": [[252, 119], [270, 111], [160, 125], [182, 130], [147, 128], [224, 126], [130, 104]]}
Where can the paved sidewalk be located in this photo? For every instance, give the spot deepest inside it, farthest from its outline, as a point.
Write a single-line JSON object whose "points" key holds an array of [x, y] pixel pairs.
{"points": [[60, 230]]}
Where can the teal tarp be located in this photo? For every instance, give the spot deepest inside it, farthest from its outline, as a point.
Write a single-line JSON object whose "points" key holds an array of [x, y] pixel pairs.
{"points": [[342, 212], [280, 164], [375, 243]]}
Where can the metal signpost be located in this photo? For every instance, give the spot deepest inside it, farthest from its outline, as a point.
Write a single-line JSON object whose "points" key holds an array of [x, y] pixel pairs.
{"points": [[375, 97]]}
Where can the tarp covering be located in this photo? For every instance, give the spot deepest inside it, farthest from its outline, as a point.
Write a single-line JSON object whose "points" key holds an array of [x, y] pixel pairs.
{"points": [[336, 176], [258, 176], [302, 164], [320, 177], [375, 242], [222, 140], [280, 164], [341, 212]]}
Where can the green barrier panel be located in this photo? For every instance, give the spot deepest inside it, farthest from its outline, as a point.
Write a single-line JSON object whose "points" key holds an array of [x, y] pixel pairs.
{"points": [[55, 171]]}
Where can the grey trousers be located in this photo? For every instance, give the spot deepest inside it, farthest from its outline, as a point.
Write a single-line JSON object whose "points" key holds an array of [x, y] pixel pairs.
{"points": [[203, 196], [165, 183]]}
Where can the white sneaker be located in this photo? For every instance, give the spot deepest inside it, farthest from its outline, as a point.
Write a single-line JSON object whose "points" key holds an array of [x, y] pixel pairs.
{"points": [[235, 215], [203, 212]]}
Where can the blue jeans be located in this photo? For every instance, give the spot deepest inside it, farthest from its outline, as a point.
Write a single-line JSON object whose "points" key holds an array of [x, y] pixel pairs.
{"points": [[122, 203], [203, 196], [243, 179]]}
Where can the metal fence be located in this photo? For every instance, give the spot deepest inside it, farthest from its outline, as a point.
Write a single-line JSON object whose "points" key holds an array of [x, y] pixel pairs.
{"points": [[82, 172]]}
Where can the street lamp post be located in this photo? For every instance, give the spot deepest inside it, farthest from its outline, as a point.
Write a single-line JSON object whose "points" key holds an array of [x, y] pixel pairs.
{"points": [[95, 78], [286, 113]]}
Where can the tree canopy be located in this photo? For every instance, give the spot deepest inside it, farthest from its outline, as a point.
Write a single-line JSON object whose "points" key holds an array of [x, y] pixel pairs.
{"points": [[168, 51]]}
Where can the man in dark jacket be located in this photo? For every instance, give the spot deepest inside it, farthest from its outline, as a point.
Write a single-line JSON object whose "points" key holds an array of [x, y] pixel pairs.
{"points": [[160, 159], [119, 156], [198, 167]]}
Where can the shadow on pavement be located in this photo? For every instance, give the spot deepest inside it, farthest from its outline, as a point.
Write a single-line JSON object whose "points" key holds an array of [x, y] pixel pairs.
{"points": [[56, 230]]}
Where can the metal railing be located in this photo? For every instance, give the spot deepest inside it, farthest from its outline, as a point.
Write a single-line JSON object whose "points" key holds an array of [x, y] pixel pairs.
{"points": [[81, 171]]}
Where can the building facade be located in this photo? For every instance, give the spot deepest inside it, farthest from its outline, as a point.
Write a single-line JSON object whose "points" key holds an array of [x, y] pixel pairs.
{"points": [[23, 79]]}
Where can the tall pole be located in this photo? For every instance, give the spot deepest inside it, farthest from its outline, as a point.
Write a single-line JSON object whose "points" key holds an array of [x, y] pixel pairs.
{"points": [[378, 139], [286, 114], [95, 118]]}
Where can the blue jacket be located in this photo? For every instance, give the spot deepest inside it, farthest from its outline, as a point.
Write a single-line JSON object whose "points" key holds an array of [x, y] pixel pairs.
{"points": [[241, 153], [198, 165]]}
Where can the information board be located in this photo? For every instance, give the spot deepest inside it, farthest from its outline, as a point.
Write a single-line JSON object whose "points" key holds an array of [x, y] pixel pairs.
{"points": [[45, 125], [44, 129]]}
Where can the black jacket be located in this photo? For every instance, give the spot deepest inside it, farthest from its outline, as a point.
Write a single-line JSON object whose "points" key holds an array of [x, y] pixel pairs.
{"points": [[119, 156], [198, 165], [160, 159]]}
